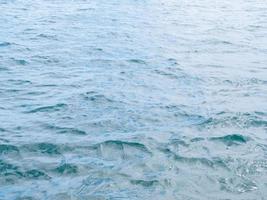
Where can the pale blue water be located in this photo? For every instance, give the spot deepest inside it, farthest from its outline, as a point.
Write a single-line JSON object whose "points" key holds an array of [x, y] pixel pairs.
{"points": [[133, 99]]}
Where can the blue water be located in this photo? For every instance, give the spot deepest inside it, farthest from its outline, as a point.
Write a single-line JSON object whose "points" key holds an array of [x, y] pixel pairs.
{"points": [[133, 99]]}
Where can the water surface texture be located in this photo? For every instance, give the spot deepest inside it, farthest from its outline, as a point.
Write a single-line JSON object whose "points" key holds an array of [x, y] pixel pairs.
{"points": [[133, 99]]}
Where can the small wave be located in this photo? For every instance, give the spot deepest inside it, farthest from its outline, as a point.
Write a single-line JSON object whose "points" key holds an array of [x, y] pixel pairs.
{"points": [[43, 148], [35, 174], [179, 142], [188, 116], [5, 44], [66, 169], [173, 61], [45, 59], [19, 82], [197, 139], [3, 130], [137, 61], [215, 41], [9, 170], [3, 68], [116, 149], [240, 120], [167, 74], [187, 160], [179, 76], [46, 36], [145, 183], [53, 108], [65, 130], [7, 148], [98, 98], [20, 61], [194, 160], [245, 82], [10, 173], [214, 162], [233, 139]]}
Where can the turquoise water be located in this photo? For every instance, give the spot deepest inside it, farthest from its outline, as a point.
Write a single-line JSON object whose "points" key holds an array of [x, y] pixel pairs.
{"points": [[133, 99]]}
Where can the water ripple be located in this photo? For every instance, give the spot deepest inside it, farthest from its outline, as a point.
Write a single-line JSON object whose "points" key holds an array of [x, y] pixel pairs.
{"points": [[133, 100]]}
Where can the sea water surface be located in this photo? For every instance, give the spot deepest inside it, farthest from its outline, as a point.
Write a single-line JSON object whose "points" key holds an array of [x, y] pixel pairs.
{"points": [[133, 99]]}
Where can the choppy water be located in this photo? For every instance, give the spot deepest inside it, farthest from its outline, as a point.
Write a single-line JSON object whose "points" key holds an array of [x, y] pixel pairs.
{"points": [[133, 99]]}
